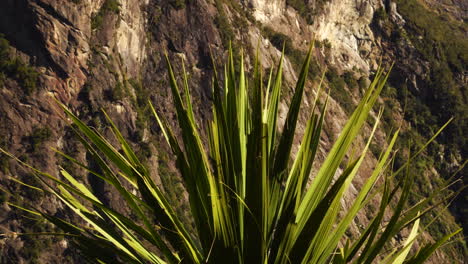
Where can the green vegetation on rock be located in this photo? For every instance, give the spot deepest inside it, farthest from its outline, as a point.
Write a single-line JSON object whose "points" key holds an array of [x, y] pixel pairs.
{"points": [[442, 93], [38, 136], [140, 101], [337, 90], [109, 7], [13, 67], [304, 9], [444, 45], [225, 29], [178, 4]]}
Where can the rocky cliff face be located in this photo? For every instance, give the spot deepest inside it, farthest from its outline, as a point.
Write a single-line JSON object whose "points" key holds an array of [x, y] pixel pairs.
{"points": [[109, 54]]}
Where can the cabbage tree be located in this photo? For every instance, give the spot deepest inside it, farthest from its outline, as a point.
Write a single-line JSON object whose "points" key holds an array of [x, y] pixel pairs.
{"points": [[253, 199]]}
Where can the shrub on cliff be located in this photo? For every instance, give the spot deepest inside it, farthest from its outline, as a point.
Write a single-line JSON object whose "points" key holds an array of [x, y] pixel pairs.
{"points": [[14, 67], [250, 194]]}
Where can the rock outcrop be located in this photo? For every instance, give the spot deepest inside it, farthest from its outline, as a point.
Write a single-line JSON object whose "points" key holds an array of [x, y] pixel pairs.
{"points": [[346, 25]]}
